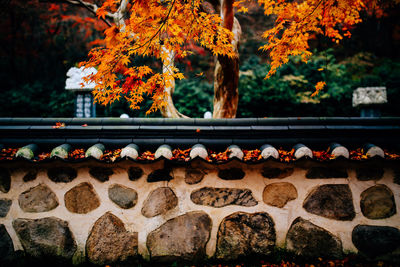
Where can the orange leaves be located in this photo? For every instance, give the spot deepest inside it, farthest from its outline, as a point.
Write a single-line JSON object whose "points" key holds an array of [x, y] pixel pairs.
{"points": [[252, 155], [286, 156], [77, 154], [108, 6], [146, 156], [318, 87], [323, 155], [111, 155], [181, 155], [8, 153], [218, 156], [58, 125], [298, 21], [157, 29], [358, 154]]}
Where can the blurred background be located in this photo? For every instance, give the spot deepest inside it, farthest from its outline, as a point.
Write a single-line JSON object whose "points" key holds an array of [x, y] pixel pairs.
{"points": [[40, 41]]}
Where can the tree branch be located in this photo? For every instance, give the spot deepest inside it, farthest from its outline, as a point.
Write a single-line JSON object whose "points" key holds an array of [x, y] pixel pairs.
{"points": [[89, 6]]}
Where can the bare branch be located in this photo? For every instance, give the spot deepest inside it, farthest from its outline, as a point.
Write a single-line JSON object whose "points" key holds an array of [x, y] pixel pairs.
{"points": [[89, 6]]}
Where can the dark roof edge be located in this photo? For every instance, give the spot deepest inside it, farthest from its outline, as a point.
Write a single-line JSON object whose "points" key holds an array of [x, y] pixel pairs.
{"points": [[247, 133], [208, 122]]}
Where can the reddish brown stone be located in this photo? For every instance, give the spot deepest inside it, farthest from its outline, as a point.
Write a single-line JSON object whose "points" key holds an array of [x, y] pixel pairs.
{"points": [[278, 194], [81, 199], [109, 242]]}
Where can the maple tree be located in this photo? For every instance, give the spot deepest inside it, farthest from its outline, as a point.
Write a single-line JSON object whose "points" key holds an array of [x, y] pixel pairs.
{"points": [[166, 29]]}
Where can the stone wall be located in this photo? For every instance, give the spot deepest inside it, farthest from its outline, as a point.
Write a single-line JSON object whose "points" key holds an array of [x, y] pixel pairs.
{"points": [[115, 212]]}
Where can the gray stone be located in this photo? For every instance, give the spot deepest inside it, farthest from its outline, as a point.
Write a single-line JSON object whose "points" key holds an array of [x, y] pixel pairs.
{"points": [[231, 174], [30, 175], [102, 174], [309, 240], [5, 205], [46, 237], [123, 196], [6, 245], [221, 197], [62, 174], [326, 172], [373, 240], [276, 172], [333, 201], [366, 173], [369, 96], [38, 199], [159, 175], [159, 201], [81, 199], [181, 238], [134, 173], [278, 194], [377, 202], [109, 242], [396, 178], [5, 180], [244, 234], [193, 176]]}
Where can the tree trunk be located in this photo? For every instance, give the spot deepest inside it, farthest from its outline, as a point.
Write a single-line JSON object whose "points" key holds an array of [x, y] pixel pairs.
{"points": [[169, 110], [226, 74]]}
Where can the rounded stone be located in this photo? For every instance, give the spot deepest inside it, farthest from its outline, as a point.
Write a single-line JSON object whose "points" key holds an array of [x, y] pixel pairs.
{"points": [[231, 174], [134, 173], [123, 196], [81, 199], [244, 234], [5, 180], [181, 238], [326, 172], [369, 173], [159, 175], [373, 240], [278, 194], [159, 201], [5, 205], [276, 172], [102, 174], [30, 175], [377, 202], [62, 174], [333, 201], [45, 238], [6, 245], [396, 178], [221, 197], [309, 240], [109, 242], [193, 176], [38, 199]]}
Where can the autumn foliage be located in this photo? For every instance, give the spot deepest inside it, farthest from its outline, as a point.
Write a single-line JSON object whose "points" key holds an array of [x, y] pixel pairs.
{"points": [[159, 28]]}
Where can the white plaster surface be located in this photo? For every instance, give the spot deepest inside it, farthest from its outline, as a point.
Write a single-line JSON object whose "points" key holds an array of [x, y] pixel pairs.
{"points": [[81, 224]]}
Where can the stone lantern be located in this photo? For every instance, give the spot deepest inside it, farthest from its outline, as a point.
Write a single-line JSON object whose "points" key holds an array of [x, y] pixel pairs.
{"points": [[84, 106], [369, 100]]}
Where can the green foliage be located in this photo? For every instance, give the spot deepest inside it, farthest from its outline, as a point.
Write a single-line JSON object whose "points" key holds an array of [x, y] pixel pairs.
{"points": [[193, 98], [288, 92], [37, 100]]}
